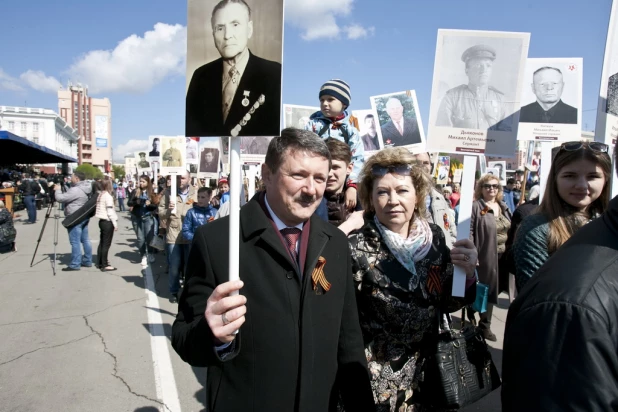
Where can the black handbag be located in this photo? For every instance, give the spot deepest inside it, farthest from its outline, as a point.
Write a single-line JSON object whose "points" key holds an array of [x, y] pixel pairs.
{"points": [[457, 369]]}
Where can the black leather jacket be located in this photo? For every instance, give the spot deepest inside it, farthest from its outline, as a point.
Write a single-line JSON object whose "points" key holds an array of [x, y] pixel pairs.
{"points": [[561, 340]]}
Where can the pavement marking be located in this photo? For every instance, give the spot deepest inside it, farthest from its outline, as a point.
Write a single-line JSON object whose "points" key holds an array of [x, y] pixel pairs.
{"points": [[164, 374]]}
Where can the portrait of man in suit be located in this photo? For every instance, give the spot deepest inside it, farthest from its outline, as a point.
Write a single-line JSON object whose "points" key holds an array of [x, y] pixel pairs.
{"points": [[239, 93], [400, 130], [156, 144], [548, 85], [370, 139], [209, 161], [267, 365]]}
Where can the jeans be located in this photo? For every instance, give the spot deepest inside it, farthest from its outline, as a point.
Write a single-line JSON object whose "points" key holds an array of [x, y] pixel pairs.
{"points": [[176, 255], [78, 236], [143, 228], [30, 202], [121, 204], [107, 234]]}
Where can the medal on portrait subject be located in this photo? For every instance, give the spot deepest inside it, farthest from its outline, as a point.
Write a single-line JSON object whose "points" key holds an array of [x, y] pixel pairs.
{"points": [[245, 101]]}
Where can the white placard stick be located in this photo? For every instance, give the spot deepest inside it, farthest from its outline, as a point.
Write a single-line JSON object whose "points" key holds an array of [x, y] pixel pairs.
{"points": [[614, 182], [482, 165], [173, 193], [465, 211], [154, 165], [234, 181], [545, 166]]}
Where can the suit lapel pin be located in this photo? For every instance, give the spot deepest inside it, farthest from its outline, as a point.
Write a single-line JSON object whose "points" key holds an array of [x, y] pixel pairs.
{"points": [[245, 101]]}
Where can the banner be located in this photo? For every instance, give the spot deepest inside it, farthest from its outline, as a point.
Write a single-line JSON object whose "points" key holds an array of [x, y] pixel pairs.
{"points": [[607, 112]]}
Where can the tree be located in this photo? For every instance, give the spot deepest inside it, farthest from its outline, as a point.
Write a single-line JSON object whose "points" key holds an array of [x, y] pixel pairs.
{"points": [[90, 171], [119, 172]]}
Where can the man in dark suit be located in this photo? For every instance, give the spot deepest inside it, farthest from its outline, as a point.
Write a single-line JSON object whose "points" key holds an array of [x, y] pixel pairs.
{"points": [[547, 85], [400, 130], [208, 163], [370, 140], [299, 345], [240, 93]]}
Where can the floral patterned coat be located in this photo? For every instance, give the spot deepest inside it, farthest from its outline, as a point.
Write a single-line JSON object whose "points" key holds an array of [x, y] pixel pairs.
{"points": [[396, 319]]}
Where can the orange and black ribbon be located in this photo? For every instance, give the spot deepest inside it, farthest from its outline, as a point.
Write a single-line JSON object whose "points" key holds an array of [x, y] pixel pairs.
{"points": [[318, 277]]}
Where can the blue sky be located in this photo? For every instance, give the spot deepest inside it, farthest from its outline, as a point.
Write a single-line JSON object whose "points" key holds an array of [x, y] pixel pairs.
{"points": [[378, 47]]}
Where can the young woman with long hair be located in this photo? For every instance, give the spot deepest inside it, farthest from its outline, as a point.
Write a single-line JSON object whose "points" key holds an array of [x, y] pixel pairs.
{"points": [[577, 191], [108, 222], [144, 202]]}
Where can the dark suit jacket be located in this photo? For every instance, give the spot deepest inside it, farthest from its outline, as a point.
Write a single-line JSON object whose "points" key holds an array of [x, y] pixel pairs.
{"points": [[411, 134], [297, 349], [560, 113], [204, 114]]}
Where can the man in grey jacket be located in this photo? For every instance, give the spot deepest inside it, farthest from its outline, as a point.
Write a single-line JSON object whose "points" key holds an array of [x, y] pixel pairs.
{"points": [[73, 199], [438, 209]]}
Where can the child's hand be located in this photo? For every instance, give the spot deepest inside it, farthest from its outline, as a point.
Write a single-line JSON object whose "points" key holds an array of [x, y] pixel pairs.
{"points": [[350, 198]]}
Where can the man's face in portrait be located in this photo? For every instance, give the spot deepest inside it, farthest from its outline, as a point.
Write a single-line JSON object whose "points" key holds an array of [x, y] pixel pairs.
{"points": [[479, 71], [394, 109], [232, 29], [208, 157], [547, 86], [155, 145], [370, 123]]}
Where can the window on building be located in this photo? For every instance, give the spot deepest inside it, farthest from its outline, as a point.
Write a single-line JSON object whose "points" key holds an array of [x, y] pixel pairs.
{"points": [[11, 125], [35, 139], [23, 126], [35, 127]]}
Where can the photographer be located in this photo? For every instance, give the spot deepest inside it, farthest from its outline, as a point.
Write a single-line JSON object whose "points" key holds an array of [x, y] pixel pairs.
{"points": [[73, 199]]}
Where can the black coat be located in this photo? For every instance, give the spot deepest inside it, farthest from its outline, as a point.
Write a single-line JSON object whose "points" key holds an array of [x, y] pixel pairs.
{"points": [[297, 348], [204, 115], [560, 343], [411, 134], [560, 113]]}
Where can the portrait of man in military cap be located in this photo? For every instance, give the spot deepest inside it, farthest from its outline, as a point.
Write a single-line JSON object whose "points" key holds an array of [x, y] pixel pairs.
{"points": [[234, 88], [142, 162], [477, 104], [548, 86]]}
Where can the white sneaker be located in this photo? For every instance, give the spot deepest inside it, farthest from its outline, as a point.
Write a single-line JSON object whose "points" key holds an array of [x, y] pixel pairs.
{"points": [[151, 259], [144, 261]]}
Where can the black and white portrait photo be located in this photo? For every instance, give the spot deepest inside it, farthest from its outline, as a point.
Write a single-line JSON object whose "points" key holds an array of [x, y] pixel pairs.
{"points": [[297, 116], [367, 125], [173, 157], [398, 120], [612, 95], [192, 149], [257, 145], [500, 168], [551, 99], [234, 55], [477, 90], [154, 148], [209, 160], [143, 165]]}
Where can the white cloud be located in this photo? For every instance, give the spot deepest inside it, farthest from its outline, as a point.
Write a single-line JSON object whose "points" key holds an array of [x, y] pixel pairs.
{"points": [[129, 148], [40, 82], [356, 31], [136, 64], [9, 83], [317, 18]]}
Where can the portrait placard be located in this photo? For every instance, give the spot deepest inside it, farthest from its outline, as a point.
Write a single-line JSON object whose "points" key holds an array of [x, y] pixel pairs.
{"points": [[210, 155], [442, 171], [476, 92], [253, 149], [457, 175], [143, 165], [192, 149], [368, 128], [399, 121], [154, 148], [500, 167], [551, 100], [173, 158], [607, 111], [297, 116], [234, 56], [130, 167]]}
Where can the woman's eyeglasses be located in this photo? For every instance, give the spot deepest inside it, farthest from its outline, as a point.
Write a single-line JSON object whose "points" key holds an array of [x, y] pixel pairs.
{"points": [[488, 186], [402, 170], [594, 146]]}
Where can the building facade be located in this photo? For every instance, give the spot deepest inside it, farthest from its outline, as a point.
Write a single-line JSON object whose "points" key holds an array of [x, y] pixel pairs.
{"points": [[92, 118], [43, 127]]}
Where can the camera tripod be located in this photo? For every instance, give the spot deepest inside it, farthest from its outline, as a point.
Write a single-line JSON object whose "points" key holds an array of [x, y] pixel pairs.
{"points": [[57, 219]]}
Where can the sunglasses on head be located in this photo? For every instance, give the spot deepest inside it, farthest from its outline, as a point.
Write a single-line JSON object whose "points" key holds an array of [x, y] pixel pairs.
{"points": [[402, 170], [488, 186], [594, 146]]}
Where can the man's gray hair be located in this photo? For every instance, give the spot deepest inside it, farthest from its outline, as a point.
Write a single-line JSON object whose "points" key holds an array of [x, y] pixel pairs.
{"points": [[546, 68], [294, 140], [224, 3]]}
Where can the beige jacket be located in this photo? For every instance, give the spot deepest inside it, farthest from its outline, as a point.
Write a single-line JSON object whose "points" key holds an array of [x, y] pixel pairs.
{"points": [[173, 222], [106, 209]]}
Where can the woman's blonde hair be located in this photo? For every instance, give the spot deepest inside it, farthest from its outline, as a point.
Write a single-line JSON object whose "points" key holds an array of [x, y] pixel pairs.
{"points": [[389, 157], [478, 190]]}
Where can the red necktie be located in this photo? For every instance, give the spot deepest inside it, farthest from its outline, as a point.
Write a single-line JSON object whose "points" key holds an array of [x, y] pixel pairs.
{"points": [[291, 235]]}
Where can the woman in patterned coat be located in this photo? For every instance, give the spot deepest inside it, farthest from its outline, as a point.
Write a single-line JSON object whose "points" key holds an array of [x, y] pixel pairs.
{"points": [[403, 271]]}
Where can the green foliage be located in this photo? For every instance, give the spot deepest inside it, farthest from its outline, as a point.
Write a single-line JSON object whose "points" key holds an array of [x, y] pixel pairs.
{"points": [[406, 102], [119, 172], [90, 171]]}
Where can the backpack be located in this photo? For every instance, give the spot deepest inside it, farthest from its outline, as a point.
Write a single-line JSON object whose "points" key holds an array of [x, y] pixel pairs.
{"points": [[344, 132], [85, 212]]}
